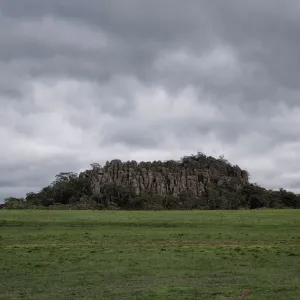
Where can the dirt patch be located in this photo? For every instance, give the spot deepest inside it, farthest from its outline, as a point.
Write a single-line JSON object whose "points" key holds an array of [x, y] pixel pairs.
{"points": [[211, 244]]}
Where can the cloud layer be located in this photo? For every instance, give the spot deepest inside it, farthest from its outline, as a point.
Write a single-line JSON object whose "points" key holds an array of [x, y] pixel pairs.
{"points": [[91, 81]]}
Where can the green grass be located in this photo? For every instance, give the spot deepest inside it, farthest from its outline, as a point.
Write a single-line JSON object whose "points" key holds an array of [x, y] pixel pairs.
{"points": [[149, 255]]}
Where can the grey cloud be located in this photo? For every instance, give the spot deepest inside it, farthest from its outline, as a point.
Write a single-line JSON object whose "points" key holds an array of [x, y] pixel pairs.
{"points": [[264, 34], [22, 175], [134, 136], [81, 81], [140, 35]]}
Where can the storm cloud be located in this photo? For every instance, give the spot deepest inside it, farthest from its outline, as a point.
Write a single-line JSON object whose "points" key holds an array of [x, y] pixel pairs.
{"points": [[89, 81]]}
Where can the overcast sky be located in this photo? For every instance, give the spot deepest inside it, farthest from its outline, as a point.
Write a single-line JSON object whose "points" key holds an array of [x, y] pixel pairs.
{"points": [[89, 81]]}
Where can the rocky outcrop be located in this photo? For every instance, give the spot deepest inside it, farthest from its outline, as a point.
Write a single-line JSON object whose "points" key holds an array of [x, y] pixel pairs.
{"points": [[194, 182], [192, 176]]}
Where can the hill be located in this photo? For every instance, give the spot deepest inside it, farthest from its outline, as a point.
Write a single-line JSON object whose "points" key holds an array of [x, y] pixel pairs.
{"points": [[193, 182]]}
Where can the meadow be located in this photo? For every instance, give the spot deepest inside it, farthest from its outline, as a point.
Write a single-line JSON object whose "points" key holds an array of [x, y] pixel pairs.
{"points": [[149, 255]]}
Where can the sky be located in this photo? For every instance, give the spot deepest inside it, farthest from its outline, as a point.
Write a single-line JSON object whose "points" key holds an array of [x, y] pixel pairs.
{"points": [[90, 81]]}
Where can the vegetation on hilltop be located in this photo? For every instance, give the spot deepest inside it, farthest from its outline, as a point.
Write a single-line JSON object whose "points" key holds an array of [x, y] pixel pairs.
{"points": [[75, 191]]}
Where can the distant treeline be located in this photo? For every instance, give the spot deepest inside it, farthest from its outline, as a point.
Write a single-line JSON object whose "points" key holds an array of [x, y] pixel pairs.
{"points": [[71, 191]]}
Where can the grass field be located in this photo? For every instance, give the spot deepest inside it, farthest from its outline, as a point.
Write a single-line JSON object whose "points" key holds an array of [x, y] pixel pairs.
{"points": [[149, 255]]}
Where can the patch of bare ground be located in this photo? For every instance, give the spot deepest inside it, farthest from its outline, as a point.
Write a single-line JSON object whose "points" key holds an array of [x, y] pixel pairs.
{"points": [[245, 294], [211, 244]]}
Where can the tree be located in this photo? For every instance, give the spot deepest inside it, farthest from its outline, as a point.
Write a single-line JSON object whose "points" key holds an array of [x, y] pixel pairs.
{"points": [[222, 159], [14, 203], [95, 166]]}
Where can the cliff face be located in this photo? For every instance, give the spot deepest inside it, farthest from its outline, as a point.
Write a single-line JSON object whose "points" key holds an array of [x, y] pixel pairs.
{"points": [[171, 178]]}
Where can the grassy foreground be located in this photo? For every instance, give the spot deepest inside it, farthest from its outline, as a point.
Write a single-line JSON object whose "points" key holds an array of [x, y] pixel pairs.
{"points": [[149, 255]]}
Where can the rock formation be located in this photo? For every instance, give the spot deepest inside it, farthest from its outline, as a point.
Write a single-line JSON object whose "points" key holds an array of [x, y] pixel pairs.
{"points": [[192, 175], [194, 182]]}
